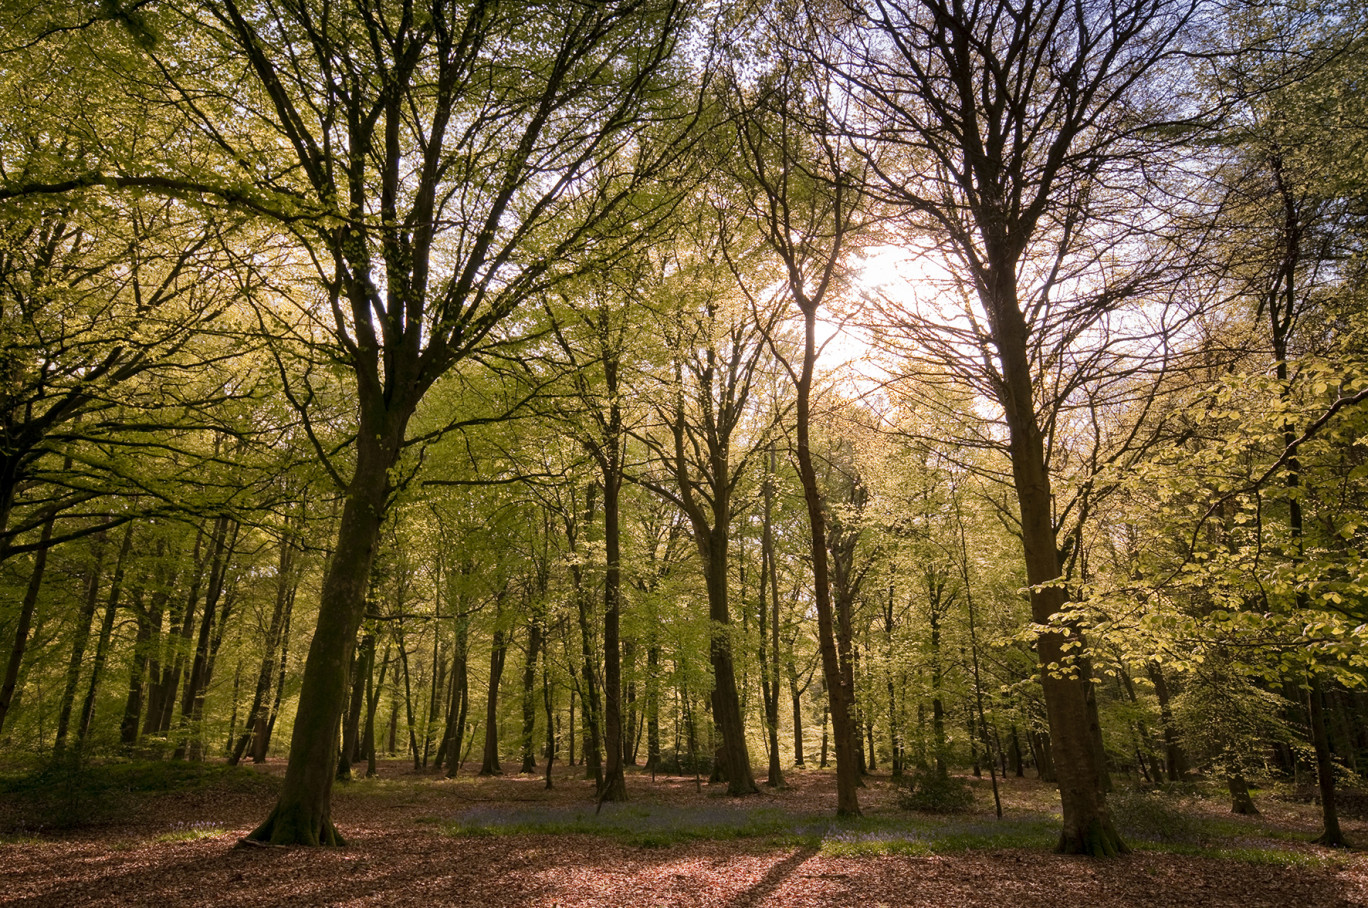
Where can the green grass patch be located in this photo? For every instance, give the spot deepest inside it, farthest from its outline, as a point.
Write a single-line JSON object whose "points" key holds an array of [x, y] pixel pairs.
{"points": [[191, 832], [649, 826]]}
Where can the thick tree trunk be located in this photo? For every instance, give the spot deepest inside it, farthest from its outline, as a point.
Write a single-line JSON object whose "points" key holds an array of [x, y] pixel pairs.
{"points": [[1240, 801], [1087, 827], [302, 815]]}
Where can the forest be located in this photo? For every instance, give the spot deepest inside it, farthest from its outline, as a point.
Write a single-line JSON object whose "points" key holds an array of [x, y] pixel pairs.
{"points": [[943, 395]]}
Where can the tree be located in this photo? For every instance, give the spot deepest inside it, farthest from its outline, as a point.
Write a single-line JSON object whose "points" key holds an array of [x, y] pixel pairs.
{"points": [[1019, 132], [797, 189], [707, 440], [437, 166]]}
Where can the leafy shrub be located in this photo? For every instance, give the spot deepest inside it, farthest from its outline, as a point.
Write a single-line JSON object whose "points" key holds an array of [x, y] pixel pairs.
{"points": [[933, 792], [1153, 816]]}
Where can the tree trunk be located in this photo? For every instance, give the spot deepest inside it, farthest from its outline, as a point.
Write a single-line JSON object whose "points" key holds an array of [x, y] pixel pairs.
{"points": [[769, 616], [614, 787], [303, 814], [653, 706], [1087, 827], [498, 650], [261, 743], [224, 541], [590, 707], [149, 623], [726, 698], [106, 632], [80, 640], [25, 623], [529, 698], [796, 697], [362, 666], [1325, 767], [1240, 801], [840, 695]]}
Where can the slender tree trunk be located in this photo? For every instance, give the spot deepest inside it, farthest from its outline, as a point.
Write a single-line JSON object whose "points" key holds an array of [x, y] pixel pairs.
{"points": [[408, 699], [548, 703], [796, 698], [373, 687], [460, 696], [1325, 767], [840, 695], [590, 700], [178, 647], [106, 632], [529, 699], [224, 541], [149, 623], [79, 642], [261, 743], [614, 787], [498, 650], [1175, 759], [351, 729], [24, 625], [769, 616], [653, 706]]}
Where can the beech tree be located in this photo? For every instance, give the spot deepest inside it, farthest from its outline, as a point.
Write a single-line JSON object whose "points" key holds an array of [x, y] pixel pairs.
{"points": [[1019, 132], [798, 189], [436, 164]]}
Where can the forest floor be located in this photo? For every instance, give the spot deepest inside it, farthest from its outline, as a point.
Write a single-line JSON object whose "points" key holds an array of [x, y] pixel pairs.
{"points": [[168, 835]]}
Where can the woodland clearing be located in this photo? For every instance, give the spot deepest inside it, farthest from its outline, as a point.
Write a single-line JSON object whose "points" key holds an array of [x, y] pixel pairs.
{"points": [[145, 835]]}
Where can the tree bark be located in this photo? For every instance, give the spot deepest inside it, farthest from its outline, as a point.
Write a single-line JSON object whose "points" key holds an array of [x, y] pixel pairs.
{"points": [[1087, 825], [839, 695], [303, 814]]}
